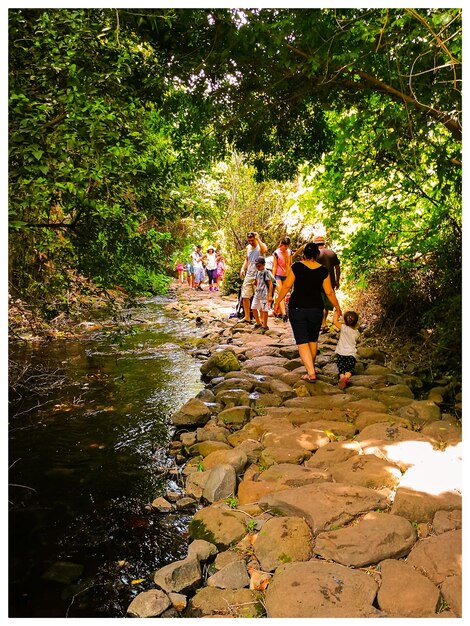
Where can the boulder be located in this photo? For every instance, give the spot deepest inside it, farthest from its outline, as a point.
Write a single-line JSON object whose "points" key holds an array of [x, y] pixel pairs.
{"points": [[275, 454], [235, 416], [193, 412], [404, 592], [438, 557], [321, 590], [211, 601], [201, 550], [221, 483], [367, 470], [184, 575], [396, 444], [250, 491], [376, 537], [418, 497], [219, 362], [235, 457], [451, 590], [294, 475], [333, 453], [218, 526], [232, 576], [283, 540], [447, 520], [324, 505], [150, 603]]}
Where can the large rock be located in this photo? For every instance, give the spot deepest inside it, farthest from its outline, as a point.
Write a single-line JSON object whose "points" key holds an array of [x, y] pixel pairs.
{"points": [[150, 603], [418, 497], [311, 439], [218, 526], [226, 603], [193, 413], [421, 411], [250, 491], [294, 475], [316, 589], [276, 454], [451, 590], [235, 416], [201, 550], [283, 540], [333, 453], [252, 365], [398, 445], [367, 470], [324, 505], [438, 557], [447, 520], [222, 482], [404, 592], [366, 418], [219, 362], [233, 397], [181, 576], [232, 576], [376, 537], [235, 457]]}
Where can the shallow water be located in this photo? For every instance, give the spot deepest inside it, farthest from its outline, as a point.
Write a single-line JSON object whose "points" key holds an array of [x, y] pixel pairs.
{"points": [[87, 458]]}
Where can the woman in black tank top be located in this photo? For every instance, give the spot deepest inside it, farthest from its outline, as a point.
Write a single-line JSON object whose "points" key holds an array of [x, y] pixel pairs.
{"points": [[308, 279]]}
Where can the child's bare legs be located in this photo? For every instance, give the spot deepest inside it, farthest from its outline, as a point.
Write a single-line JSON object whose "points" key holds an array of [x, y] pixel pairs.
{"points": [[256, 316], [264, 318], [308, 354]]}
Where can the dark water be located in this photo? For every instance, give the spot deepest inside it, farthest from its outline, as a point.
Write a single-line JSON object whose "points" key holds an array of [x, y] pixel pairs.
{"points": [[84, 465]]}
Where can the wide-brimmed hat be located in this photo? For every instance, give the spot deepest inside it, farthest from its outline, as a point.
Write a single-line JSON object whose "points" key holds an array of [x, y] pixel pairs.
{"points": [[319, 239], [210, 248]]}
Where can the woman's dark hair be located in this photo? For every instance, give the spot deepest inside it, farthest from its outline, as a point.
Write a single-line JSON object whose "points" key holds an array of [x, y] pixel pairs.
{"points": [[285, 241], [311, 251], [351, 318]]}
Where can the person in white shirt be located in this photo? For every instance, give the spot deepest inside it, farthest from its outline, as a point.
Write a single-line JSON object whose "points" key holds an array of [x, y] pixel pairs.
{"points": [[196, 258], [210, 259], [346, 348], [254, 249]]}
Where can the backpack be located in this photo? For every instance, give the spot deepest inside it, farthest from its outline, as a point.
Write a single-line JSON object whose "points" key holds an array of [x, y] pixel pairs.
{"points": [[271, 278]]}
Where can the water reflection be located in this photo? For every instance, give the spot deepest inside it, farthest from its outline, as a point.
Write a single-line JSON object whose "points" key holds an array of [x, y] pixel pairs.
{"points": [[87, 458]]}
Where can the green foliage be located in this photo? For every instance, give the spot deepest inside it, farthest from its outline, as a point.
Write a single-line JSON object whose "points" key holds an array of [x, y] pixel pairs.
{"points": [[134, 135], [232, 501]]}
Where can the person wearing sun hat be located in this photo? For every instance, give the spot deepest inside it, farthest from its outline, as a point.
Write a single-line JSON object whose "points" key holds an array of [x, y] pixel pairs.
{"points": [[329, 259], [210, 259]]}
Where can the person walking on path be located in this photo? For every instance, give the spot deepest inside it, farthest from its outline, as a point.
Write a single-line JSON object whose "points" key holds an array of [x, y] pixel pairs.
{"points": [[196, 258], [263, 296], [220, 271], [210, 259], [190, 273], [254, 249], [180, 270], [330, 260], [346, 348], [308, 279], [281, 265]]}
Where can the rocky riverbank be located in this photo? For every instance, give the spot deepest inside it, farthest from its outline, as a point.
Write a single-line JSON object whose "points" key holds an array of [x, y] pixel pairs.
{"points": [[310, 501]]}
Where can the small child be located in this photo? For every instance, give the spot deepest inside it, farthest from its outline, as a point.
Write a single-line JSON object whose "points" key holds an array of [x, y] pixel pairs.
{"points": [[346, 347], [263, 296], [180, 269]]}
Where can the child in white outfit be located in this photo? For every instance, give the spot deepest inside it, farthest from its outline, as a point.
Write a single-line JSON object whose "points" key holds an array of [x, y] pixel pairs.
{"points": [[346, 348]]}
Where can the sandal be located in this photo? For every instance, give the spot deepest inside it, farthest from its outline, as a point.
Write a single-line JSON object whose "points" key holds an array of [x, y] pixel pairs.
{"points": [[343, 383], [308, 378]]}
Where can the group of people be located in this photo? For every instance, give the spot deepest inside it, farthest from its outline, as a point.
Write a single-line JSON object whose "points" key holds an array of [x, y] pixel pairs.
{"points": [[311, 284], [200, 264]]}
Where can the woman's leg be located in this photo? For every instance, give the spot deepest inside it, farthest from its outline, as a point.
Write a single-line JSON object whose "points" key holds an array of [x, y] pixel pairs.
{"points": [[308, 353]]}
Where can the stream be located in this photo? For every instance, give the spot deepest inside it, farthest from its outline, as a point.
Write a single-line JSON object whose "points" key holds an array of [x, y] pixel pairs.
{"points": [[87, 455]]}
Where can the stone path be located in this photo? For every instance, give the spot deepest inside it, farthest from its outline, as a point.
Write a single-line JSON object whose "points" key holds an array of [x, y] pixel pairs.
{"points": [[311, 501]]}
